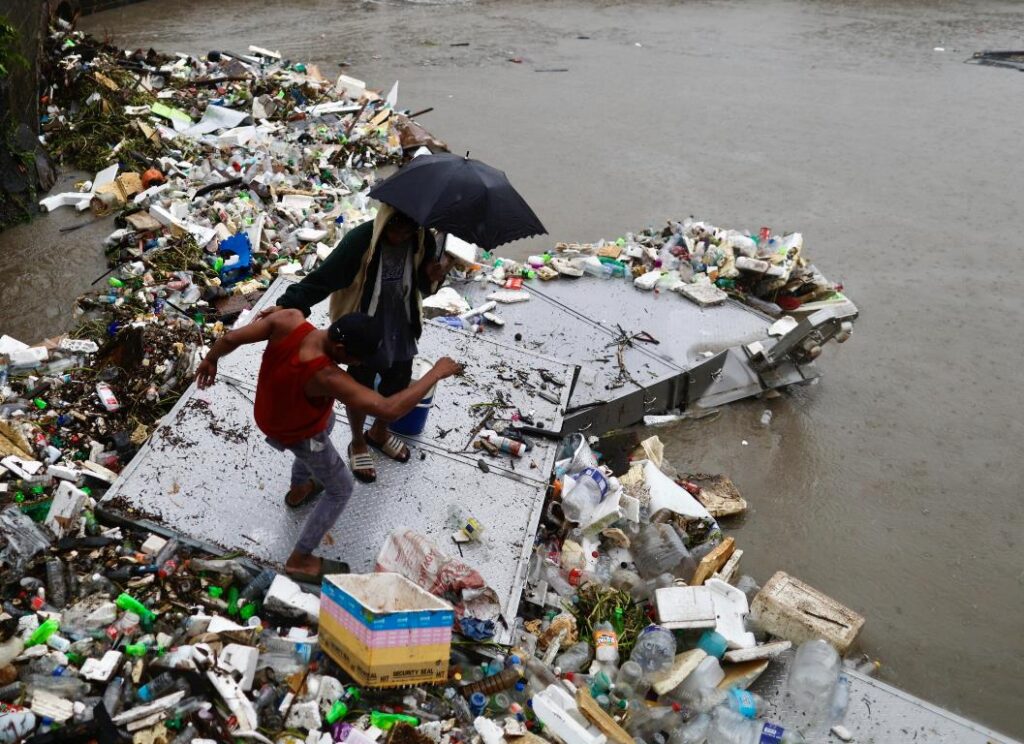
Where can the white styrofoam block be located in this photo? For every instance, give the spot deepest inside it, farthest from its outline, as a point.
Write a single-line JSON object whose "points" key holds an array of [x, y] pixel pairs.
{"points": [[48, 705], [685, 607], [101, 670], [556, 709], [788, 608], [236, 658], [358, 736], [21, 467], [9, 344], [236, 700], [764, 651], [153, 545], [65, 472], [284, 595], [304, 715], [730, 609], [67, 505]]}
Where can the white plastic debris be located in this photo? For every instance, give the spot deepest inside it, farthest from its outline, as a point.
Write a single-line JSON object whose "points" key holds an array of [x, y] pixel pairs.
{"points": [[287, 597], [236, 658], [101, 670], [67, 505], [556, 709]]}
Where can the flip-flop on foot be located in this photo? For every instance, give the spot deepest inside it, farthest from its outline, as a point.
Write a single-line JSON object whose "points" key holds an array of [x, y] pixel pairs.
{"points": [[327, 566], [362, 466], [393, 447], [316, 491]]}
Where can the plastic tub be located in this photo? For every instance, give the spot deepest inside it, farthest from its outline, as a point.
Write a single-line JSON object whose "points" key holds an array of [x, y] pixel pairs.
{"points": [[414, 422]]}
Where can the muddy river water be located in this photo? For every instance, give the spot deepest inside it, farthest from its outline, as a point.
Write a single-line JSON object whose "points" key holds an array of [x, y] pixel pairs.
{"points": [[895, 484]]}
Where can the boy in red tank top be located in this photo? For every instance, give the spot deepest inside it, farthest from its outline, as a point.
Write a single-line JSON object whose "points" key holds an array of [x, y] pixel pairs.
{"points": [[299, 380]]}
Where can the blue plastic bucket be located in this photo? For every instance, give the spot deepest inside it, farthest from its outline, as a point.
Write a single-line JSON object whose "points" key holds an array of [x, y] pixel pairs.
{"points": [[414, 422]]}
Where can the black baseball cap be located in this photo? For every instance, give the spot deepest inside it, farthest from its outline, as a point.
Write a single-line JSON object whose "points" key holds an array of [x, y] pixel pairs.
{"points": [[360, 333]]}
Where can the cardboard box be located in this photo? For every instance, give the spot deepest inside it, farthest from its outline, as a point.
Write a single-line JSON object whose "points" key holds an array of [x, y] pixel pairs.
{"points": [[384, 630]]}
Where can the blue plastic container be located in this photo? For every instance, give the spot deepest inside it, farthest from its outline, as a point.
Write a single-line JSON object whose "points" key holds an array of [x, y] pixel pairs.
{"points": [[414, 422]]}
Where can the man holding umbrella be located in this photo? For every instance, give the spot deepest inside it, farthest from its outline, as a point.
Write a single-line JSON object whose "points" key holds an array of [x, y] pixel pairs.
{"points": [[382, 268]]}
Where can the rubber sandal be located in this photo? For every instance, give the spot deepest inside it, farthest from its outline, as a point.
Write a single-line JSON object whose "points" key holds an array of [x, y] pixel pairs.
{"points": [[360, 464], [317, 490], [327, 566], [392, 447]]}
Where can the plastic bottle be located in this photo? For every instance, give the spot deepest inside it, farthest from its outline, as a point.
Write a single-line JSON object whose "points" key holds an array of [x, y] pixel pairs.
{"points": [[728, 727], [186, 736], [840, 701], [659, 549], [630, 680], [46, 629], [63, 685], [107, 397], [590, 489], [606, 645], [575, 658], [56, 585], [112, 695], [494, 683], [258, 586], [747, 704], [812, 680], [655, 649], [129, 603], [155, 687], [504, 444], [694, 731]]}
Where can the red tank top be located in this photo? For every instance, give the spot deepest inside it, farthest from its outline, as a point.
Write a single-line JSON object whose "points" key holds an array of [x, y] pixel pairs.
{"points": [[283, 410]]}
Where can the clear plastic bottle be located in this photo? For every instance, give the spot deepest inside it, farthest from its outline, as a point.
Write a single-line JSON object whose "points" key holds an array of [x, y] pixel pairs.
{"points": [[575, 658], [729, 727], [590, 489], [630, 681], [812, 680], [655, 649], [694, 731], [659, 549]]}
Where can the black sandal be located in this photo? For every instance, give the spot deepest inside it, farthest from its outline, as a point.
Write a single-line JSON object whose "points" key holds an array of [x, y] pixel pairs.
{"points": [[318, 489], [327, 566]]}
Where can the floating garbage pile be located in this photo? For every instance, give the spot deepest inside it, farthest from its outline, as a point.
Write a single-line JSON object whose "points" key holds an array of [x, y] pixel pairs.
{"points": [[703, 263], [221, 173], [637, 626]]}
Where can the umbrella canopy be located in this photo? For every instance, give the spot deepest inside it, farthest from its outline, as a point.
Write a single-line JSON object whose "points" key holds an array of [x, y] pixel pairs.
{"points": [[464, 197]]}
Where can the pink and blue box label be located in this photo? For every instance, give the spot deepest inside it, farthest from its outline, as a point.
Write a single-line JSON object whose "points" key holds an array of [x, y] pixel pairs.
{"points": [[384, 630]]}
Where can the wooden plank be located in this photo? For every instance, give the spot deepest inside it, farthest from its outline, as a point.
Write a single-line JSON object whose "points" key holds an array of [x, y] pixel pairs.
{"points": [[713, 561], [604, 722]]}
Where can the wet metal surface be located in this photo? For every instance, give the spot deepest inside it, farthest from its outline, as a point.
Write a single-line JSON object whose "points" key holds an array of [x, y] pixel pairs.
{"points": [[894, 485], [234, 498]]}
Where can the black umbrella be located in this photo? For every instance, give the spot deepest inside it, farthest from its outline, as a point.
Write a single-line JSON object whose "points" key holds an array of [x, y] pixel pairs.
{"points": [[467, 198]]}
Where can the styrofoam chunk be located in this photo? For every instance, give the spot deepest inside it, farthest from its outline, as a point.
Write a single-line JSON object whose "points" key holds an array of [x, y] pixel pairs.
{"points": [[241, 659], [685, 607], [730, 609], [101, 670], [287, 597], [67, 505], [153, 545]]}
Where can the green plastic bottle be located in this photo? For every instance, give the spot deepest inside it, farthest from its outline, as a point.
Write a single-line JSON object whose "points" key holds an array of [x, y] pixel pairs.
{"points": [[384, 721], [41, 634], [338, 711], [128, 603]]}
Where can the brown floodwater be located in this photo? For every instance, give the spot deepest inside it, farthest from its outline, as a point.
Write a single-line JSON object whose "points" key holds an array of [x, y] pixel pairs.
{"points": [[895, 484]]}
